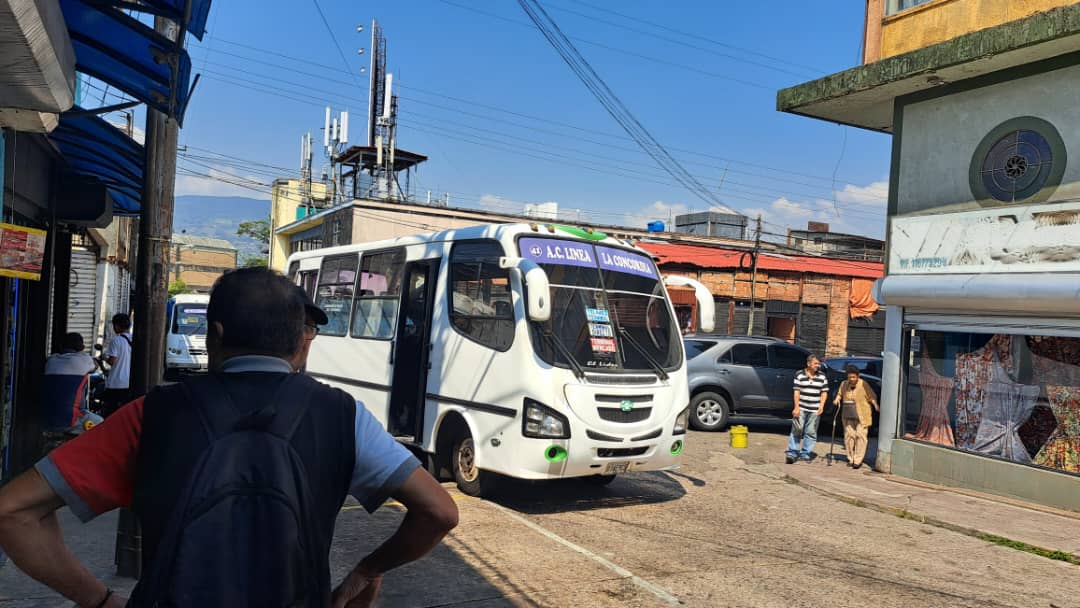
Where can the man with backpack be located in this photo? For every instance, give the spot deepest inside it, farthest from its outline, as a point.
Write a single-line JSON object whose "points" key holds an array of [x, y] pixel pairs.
{"points": [[118, 356], [237, 477]]}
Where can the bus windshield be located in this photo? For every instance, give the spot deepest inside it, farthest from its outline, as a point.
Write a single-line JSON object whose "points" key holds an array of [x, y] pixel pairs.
{"points": [[189, 320], [608, 308]]}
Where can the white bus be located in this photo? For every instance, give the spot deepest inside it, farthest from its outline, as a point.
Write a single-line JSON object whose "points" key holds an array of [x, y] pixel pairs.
{"points": [[185, 334], [536, 352]]}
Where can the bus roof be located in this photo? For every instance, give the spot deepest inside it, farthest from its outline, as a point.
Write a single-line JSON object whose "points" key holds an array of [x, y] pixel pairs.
{"points": [[484, 231], [191, 298]]}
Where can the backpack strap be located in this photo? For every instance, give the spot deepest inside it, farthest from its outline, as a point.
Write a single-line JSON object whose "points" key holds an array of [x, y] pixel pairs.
{"points": [[220, 415]]}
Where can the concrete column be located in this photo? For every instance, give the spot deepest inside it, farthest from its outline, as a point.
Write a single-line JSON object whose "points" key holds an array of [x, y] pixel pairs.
{"points": [[889, 418], [872, 32]]}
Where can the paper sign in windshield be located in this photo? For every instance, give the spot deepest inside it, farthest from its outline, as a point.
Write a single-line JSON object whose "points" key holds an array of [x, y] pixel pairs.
{"points": [[597, 315], [555, 251], [195, 311], [603, 345], [600, 330], [624, 261]]}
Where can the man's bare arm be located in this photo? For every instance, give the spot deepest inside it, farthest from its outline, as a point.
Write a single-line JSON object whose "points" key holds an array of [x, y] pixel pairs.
{"points": [[431, 513], [30, 535]]}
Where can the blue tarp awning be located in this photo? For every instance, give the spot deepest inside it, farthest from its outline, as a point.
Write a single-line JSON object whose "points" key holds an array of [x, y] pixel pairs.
{"points": [[175, 10], [93, 148], [129, 55]]}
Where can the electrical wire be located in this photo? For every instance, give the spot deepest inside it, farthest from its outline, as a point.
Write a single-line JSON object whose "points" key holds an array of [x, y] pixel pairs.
{"points": [[330, 31], [477, 103], [810, 69]]}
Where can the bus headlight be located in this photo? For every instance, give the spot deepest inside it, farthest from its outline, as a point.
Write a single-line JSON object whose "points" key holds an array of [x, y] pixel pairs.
{"points": [[541, 421], [681, 421], [175, 351]]}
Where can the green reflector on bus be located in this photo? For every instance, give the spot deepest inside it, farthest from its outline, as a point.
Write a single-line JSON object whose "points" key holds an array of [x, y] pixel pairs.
{"points": [[555, 453]]}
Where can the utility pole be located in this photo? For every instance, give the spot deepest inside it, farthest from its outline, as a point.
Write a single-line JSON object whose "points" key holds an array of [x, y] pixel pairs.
{"points": [[753, 276], [151, 289]]}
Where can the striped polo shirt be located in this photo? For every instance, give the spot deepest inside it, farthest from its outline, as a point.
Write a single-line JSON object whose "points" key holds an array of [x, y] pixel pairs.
{"points": [[810, 389]]}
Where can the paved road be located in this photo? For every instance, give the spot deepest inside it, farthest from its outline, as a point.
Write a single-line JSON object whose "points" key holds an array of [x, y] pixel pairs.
{"points": [[720, 532]]}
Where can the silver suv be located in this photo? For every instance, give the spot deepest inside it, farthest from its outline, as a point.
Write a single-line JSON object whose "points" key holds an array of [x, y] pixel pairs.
{"points": [[747, 376]]}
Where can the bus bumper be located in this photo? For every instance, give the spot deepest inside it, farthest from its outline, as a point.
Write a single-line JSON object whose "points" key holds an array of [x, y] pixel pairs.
{"points": [[583, 456]]}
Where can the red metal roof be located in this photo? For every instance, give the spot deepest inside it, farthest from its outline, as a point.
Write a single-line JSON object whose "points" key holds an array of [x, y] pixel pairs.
{"points": [[715, 257]]}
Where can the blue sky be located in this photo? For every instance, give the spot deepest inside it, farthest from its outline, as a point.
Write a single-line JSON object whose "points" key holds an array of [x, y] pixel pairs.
{"points": [[505, 122]]}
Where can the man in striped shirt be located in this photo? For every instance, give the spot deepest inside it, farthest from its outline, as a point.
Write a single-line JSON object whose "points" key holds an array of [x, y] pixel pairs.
{"points": [[811, 391]]}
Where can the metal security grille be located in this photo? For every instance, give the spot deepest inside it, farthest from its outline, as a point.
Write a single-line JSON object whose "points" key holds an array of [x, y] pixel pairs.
{"points": [[82, 297], [614, 414], [866, 335]]}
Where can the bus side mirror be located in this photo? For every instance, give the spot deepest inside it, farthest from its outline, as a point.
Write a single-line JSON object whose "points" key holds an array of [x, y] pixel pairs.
{"points": [[537, 288], [706, 305]]}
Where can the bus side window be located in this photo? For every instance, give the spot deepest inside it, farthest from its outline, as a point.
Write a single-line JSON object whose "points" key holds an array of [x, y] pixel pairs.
{"points": [[481, 305], [377, 295], [335, 292]]}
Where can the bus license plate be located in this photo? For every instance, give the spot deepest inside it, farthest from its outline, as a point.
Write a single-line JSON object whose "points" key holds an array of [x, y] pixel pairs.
{"points": [[614, 468]]}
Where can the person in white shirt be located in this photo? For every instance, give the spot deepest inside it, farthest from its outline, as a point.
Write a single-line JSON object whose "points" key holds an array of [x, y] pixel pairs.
{"points": [[118, 356], [64, 392]]}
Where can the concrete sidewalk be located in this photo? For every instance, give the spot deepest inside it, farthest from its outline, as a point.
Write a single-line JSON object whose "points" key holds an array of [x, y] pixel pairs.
{"points": [[964, 511]]}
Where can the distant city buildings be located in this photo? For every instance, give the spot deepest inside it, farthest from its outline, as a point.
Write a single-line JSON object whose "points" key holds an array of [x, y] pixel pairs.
{"points": [[198, 261]]}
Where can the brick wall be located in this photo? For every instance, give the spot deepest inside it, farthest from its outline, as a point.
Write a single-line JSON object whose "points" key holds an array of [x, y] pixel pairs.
{"points": [[204, 257], [780, 286]]}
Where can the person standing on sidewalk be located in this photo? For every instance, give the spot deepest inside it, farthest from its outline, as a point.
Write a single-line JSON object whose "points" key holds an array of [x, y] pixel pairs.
{"points": [[855, 397], [238, 477], [811, 391], [118, 356]]}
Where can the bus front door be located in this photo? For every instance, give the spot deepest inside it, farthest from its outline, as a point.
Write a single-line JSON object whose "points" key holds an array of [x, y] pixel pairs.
{"points": [[412, 347]]}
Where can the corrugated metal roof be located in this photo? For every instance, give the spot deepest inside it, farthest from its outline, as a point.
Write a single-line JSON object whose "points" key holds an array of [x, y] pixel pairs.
{"points": [[202, 241], [716, 257]]}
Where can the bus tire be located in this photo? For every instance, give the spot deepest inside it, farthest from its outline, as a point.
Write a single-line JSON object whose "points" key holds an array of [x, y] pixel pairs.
{"points": [[709, 411], [470, 479]]}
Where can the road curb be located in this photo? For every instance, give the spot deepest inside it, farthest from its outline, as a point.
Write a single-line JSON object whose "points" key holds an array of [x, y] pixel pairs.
{"points": [[983, 535]]}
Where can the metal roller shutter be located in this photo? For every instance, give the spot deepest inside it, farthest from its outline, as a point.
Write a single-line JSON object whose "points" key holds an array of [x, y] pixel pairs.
{"points": [[813, 328], [82, 307], [742, 319], [866, 335]]}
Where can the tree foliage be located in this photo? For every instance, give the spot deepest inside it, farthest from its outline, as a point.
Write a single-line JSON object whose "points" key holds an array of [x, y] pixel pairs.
{"points": [[258, 230], [178, 287]]}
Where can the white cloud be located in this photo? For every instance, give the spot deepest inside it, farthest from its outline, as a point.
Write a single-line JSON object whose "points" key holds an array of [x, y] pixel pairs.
{"points": [[218, 184], [856, 210], [872, 195]]}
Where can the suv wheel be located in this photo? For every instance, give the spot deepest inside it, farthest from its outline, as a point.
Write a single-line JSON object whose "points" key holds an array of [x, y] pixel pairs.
{"points": [[709, 412]]}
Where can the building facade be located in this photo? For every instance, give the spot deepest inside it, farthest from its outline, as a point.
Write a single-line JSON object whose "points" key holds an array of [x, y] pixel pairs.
{"points": [[198, 261], [818, 240], [981, 384], [821, 304]]}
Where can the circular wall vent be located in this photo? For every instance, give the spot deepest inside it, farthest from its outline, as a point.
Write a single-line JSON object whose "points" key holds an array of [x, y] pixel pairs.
{"points": [[1021, 161]]}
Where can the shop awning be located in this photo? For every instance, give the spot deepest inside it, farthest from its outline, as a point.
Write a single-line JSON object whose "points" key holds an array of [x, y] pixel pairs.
{"points": [[177, 9], [38, 64], [1041, 293], [129, 55], [716, 257], [93, 148]]}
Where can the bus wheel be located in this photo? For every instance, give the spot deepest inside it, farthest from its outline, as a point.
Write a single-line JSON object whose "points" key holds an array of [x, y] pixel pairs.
{"points": [[470, 479]]}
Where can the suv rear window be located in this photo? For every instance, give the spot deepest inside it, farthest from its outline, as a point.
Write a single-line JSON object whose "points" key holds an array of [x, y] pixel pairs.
{"points": [[696, 347]]}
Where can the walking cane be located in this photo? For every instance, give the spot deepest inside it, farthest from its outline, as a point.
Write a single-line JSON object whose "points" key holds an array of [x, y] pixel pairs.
{"points": [[832, 437]]}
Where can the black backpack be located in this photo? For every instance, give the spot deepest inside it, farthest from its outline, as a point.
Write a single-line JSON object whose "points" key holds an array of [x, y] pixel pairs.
{"points": [[241, 533]]}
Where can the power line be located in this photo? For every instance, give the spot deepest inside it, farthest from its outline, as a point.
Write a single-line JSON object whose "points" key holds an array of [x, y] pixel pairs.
{"points": [[301, 98], [611, 102], [476, 103], [634, 53], [330, 31], [807, 70]]}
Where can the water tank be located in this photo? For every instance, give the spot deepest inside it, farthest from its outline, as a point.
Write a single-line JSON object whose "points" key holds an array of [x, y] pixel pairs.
{"points": [[656, 226]]}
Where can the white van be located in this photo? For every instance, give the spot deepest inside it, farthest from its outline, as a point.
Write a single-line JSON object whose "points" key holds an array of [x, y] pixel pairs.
{"points": [[536, 352], [185, 337]]}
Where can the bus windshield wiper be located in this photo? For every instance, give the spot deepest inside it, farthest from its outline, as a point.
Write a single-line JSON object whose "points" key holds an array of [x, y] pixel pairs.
{"points": [[579, 373], [659, 369]]}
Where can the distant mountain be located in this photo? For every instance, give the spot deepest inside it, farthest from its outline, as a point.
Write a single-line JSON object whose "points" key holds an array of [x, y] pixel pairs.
{"points": [[218, 217]]}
